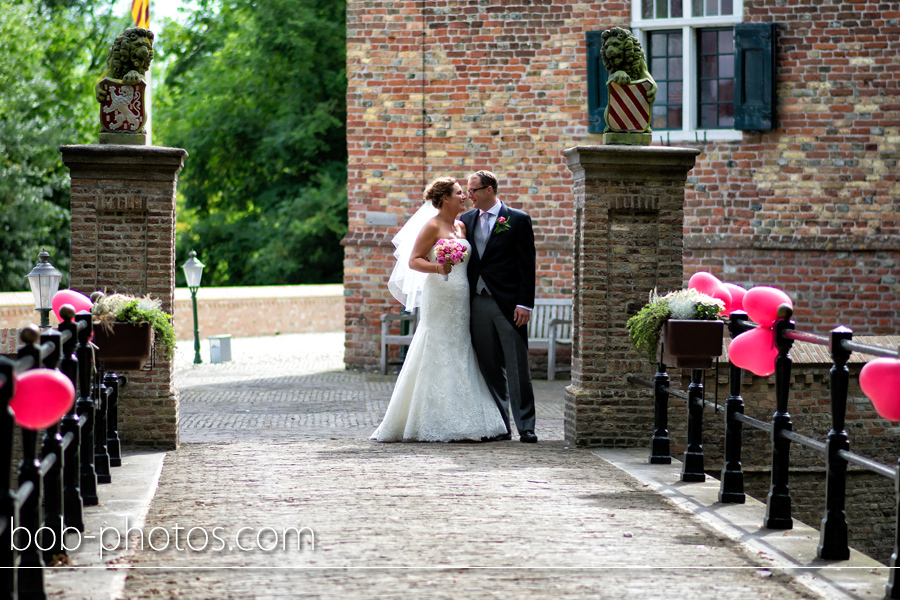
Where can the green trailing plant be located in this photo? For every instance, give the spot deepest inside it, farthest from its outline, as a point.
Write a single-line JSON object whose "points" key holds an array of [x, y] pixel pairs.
{"points": [[122, 308], [645, 327]]}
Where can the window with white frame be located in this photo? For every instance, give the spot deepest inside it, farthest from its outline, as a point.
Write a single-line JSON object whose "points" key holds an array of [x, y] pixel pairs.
{"points": [[691, 54]]}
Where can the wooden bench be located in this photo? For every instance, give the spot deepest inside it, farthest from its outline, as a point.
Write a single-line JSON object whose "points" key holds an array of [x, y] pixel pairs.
{"points": [[550, 328], [399, 339]]}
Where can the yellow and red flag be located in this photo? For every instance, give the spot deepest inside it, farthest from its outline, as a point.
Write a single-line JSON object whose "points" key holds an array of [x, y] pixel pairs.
{"points": [[140, 12]]}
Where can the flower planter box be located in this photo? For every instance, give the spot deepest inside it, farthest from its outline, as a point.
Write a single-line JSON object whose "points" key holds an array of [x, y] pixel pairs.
{"points": [[690, 344], [126, 348]]}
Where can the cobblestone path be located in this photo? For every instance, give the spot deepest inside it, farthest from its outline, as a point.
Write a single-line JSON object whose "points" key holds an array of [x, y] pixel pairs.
{"points": [[275, 452]]}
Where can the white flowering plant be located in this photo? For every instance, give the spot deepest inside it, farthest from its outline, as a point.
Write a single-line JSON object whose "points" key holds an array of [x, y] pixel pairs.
{"points": [[122, 308], [644, 328]]}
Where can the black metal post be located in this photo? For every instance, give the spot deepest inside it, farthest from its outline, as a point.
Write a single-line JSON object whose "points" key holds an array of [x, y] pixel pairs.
{"points": [[52, 444], [197, 359], [101, 404], [84, 406], [113, 444], [833, 543], [7, 497], [30, 572], [892, 589], [692, 467], [73, 508], [778, 502], [659, 444], [731, 487]]}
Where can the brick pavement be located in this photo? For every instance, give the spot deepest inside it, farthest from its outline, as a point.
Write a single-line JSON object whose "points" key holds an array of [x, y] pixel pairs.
{"points": [[279, 441]]}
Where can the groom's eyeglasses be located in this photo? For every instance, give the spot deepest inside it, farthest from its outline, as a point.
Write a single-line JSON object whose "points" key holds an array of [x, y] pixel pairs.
{"points": [[470, 192]]}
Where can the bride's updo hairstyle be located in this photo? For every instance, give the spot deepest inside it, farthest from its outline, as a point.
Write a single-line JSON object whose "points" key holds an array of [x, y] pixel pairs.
{"points": [[437, 189]]}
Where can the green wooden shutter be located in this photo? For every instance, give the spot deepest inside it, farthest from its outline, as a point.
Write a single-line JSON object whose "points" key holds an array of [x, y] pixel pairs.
{"points": [[596, 79], [754, 76]]}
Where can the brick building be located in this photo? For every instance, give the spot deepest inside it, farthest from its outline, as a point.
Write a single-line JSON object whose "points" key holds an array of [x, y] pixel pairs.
{"points": [[439, 87]]}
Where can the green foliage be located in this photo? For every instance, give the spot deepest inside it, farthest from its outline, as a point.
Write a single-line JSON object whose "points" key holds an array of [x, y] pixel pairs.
{"points": [[50, 50], [136, 311], [645, 327], [255, 92]]}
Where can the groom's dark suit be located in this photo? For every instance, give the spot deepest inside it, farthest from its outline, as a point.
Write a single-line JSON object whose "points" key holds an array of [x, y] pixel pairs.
{"points": [[507, 269]]}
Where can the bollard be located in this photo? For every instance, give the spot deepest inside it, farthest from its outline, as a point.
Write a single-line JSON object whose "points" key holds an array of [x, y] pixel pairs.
{"points": [[731, 487], [84, 406], [659, 444], [73, 508], [833, 541], [52, 445], [113, 444], [101, 404], [692, 467], [778, 501], [30, 572], [7, 497]]}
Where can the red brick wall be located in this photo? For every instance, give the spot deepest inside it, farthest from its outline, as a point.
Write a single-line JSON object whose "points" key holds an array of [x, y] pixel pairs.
{"points": [[445, 87]]}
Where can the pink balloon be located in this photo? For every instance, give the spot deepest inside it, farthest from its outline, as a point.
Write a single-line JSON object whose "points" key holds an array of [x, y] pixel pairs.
{"points": [[737, 298], [42, 397], [722, 293], [704, 282], [76, 299], [761, 304], [880, 381], [755, 351]]}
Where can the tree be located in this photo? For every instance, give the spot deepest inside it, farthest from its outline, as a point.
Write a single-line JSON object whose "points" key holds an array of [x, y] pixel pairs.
{"points": [[46, 77], [255, 92]]}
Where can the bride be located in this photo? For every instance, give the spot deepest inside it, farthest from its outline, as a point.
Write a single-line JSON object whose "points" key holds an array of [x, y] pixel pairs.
{"points": [[440, 395]]}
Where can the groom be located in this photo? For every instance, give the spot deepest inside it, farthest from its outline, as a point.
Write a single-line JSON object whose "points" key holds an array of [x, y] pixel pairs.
{"points": [[501, 285]]}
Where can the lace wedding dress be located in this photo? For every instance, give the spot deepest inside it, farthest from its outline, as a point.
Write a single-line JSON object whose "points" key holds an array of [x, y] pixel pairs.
{"points": [[440, 395]]}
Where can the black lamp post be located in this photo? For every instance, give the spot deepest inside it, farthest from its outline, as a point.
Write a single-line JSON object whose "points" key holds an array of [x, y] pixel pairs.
{"points": [[44, 282], [193, 269]]}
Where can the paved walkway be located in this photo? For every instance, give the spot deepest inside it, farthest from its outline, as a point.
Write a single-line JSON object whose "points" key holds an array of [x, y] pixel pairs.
{"points": [[277, 492]]}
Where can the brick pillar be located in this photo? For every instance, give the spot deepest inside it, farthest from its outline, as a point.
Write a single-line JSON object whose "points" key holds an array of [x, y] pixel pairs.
{"points": [[123, 241], [629, 215]]}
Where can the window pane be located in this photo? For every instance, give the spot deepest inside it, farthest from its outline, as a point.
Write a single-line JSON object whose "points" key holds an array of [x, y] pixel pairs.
{"points": [[675, 67], [712, 8], [658, 68], [726, 65], [726, 90], [727, 7], [662, 90], [677, 9], [647, 9], [708, 118], [709, 39], [659, 118], [657, 45], [662, 9], [676, 92], [709, 66], [726, 115], [697, 8], [674, 48], [675, 113], [709, 91], [726, 42]]}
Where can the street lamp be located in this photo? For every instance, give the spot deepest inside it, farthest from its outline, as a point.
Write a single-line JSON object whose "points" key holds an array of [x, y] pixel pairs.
{"points": [[44, 282], [193, 269]]}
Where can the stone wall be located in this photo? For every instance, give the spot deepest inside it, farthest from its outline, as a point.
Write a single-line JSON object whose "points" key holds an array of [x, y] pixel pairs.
{"points": [[446, 87]]}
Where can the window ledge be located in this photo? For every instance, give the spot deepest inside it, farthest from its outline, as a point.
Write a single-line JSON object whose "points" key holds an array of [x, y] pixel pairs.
{"points": [[700, 135]]}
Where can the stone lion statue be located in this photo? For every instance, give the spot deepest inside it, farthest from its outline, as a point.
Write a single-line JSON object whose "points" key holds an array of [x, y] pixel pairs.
{"points": [[128, 59], [623, 57]]}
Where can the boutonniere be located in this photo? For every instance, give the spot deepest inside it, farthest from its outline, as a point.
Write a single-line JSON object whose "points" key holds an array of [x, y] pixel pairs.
{"points": [[501, 225]]}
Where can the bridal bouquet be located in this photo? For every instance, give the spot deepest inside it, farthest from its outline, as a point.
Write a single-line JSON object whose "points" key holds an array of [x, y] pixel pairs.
{"points": [[450, 251]]}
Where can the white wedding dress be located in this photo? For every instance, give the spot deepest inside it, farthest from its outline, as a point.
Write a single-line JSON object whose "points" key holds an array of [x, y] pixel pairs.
{"points": [[440, 395]]}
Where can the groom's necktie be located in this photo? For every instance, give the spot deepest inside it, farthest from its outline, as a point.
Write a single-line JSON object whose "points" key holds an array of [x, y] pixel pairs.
{"points": [[482, 233]]}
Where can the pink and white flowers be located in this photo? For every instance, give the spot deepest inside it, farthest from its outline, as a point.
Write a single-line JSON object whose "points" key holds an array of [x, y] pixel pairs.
{"points": [[450, 251]]}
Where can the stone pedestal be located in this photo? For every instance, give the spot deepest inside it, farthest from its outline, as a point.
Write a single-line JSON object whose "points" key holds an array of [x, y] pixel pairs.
{"points": [[629, 215], [123, 241]]}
